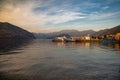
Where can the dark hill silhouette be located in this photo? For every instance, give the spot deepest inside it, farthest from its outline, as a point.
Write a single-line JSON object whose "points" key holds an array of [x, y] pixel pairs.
{"points": [[10, 31], [113, 30]]}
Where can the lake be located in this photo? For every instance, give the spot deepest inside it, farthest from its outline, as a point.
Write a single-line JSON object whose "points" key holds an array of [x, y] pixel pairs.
{"points": [[45, 60]]}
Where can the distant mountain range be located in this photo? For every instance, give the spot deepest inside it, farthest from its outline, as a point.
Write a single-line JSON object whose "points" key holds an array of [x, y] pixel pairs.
{"points": [[63, 33], [77, 33], [10, 31]]}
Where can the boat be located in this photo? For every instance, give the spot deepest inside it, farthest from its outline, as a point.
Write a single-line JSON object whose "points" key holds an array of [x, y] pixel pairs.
{"points": [[65, 39], [59, 39], [70, 40]]}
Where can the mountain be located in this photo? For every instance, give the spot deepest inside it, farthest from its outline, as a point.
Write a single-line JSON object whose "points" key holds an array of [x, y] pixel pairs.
{"points": [[113, 30], [86, 32], [49, 35], [63, 33], [73, 32], [101, 32], [77, 33], [10, 31]]}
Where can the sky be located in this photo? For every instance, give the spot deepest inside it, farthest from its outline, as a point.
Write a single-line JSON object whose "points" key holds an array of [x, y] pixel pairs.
{"points": [[44, 16]]}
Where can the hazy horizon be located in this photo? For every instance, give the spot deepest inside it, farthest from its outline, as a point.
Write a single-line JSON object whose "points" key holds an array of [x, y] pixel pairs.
{"points": [[44, 16]]}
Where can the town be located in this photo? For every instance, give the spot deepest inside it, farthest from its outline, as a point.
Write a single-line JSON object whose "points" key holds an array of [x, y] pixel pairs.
{"points": [[111, 38]]}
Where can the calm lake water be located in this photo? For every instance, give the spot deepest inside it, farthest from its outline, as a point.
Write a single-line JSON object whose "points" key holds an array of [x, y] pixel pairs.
{"points": [[45, 60]]}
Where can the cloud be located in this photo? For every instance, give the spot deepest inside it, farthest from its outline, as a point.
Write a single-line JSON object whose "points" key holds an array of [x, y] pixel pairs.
{"points": [[19, 13], [106, 7], [57, 14], [66, 16], [33, 15], [99, 16]]}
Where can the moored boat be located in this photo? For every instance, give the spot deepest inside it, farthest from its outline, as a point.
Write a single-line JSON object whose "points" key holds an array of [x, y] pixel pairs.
{"points": [[70, 40], [59, 39]]}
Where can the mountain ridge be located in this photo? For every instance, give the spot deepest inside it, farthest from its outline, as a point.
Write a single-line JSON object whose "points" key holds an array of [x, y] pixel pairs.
{"points": [[113, 30], [8, 30], [63, 32], [73, 32]]}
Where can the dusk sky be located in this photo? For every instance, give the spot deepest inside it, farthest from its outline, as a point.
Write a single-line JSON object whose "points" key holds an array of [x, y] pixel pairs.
{"points": [[54, 15]]}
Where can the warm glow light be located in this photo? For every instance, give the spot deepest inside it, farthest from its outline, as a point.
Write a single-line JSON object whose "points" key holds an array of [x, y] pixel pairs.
{"points": [[46, 16]]}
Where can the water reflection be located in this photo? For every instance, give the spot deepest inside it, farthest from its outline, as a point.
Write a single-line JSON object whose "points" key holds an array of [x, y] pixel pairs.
{"points": [[11, 44], [116, 46], [61, 44], [45, 60]]}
